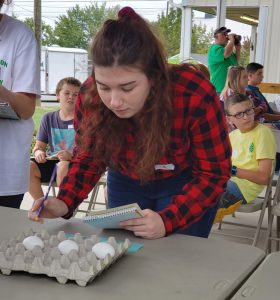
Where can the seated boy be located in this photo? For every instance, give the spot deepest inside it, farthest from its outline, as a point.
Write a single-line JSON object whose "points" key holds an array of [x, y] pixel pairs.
{"points": [[255, 77], [55, 139], [253, 153]]}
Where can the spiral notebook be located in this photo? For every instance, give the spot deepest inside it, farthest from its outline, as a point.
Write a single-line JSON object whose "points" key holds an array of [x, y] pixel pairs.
{"points": [[110, 218], [52, 157]]}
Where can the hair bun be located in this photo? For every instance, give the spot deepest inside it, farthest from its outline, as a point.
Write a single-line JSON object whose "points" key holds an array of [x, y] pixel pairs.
{"points": [[127, 11]]}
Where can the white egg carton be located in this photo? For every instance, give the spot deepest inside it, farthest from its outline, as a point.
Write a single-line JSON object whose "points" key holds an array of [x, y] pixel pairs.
{"points": [[81, 266]]}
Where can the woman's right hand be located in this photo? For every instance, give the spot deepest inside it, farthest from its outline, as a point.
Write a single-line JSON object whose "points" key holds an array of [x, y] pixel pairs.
{"points": [[40, 156], [53, 208]]}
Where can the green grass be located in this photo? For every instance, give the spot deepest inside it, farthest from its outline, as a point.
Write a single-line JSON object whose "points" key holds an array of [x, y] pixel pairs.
{"points": [[39, 112]]}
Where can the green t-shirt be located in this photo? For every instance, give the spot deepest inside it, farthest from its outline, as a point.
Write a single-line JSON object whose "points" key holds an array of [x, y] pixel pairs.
{"points": [[218, 65], [247, 149]]}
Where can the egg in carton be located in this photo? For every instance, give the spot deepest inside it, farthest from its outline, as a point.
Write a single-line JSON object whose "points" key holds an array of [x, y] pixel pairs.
{"points": [[57, 256]]}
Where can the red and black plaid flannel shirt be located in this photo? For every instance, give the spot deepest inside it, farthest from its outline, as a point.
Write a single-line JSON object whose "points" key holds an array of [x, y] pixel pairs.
{"points": [[199, 141]]}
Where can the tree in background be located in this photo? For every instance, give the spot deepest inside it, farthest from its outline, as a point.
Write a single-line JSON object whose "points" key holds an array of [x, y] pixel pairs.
{"points": [[201, 39], [77, 28], [245, 51], [47, 32], [170, 27]]}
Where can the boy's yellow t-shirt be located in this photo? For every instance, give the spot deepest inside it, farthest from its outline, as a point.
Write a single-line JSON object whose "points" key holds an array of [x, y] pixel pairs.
{"points": [[247, 149]]}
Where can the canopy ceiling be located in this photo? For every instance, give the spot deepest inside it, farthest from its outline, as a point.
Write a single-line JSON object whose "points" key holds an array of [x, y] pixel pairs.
{"points": [[234, 13]]}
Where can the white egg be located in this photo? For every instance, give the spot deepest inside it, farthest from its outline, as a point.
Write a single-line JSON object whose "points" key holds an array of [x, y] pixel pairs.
{"points": [[102, 249], [66, 246], [31, 241]]}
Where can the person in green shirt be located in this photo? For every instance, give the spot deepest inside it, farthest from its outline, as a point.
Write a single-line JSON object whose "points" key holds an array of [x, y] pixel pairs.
{"points": [[223, 53]]}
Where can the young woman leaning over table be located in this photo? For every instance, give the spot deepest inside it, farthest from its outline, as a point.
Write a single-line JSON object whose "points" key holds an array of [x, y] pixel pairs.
{"points": [[159, 130]]}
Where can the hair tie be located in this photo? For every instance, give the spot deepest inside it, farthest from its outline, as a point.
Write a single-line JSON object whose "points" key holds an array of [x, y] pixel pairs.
{"points": [[129, 12]]}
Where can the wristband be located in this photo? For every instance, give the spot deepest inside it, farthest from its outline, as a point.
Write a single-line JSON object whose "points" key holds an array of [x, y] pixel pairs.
{"points": [[233, 170]]}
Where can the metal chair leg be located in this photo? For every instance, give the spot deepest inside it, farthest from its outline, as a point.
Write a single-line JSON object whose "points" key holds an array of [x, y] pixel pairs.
{"points": [[267, 242], [53, 190], [277, 232], [54, 185], [93, 198]]}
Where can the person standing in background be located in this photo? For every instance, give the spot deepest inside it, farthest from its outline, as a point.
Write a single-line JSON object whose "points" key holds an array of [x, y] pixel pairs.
{"points": [[223, 53], [19, 85]]}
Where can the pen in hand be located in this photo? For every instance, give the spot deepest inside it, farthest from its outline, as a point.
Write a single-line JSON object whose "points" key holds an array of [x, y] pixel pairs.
{"points": [[47, 193]]}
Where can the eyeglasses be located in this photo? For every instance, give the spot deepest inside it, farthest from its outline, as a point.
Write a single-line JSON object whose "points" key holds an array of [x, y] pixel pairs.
{"points": [[240, 115]]}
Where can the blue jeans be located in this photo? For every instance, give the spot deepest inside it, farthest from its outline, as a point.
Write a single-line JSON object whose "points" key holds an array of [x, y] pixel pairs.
{"points": [[156, 196], [277, 124], [233, 188]]}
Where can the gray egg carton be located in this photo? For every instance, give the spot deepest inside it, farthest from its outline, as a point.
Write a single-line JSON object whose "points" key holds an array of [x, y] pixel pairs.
{"points": [[81, 266]]}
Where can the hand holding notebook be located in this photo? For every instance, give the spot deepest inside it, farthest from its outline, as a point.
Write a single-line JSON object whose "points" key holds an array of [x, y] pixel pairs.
{"points": [[52, 157], [6, 112], [110, 218]]}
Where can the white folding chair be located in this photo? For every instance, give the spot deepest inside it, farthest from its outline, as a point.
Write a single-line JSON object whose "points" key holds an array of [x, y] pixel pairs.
{"points": [[274, 212], [259, 204], [92, 201]]}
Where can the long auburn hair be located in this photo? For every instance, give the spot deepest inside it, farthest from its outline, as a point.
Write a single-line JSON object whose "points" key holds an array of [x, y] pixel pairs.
{"points": [[129, 41]]}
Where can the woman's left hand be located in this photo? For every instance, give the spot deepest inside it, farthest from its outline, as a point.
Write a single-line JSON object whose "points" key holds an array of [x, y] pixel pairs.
{"points": [[151, 226]]}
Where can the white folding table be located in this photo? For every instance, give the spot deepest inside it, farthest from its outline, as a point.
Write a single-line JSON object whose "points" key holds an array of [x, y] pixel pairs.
{"points": [[264, 282], [174, 267]]}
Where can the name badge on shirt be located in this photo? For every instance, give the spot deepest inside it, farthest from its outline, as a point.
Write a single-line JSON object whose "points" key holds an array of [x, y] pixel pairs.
{"points": [[70, 126], [165, 167]]}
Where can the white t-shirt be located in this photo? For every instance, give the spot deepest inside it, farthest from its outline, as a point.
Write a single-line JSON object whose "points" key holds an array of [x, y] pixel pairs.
{"points": [[19, 72]]}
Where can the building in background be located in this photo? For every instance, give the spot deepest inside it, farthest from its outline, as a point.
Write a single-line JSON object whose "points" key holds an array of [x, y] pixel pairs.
{"points": [[262, 16]]}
